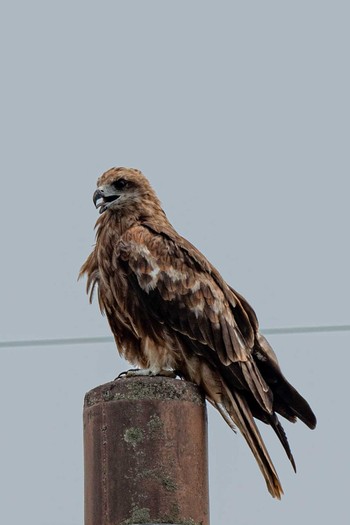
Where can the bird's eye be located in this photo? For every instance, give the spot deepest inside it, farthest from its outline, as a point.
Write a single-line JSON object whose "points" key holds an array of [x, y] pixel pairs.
{"points": [[120, 184]]}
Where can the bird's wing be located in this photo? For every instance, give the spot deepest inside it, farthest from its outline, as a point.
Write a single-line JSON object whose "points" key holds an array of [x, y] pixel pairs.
{"points": [[183, 293], [179, 288]]}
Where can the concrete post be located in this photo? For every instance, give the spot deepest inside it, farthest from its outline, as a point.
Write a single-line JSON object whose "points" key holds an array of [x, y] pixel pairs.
{"points": [[145, 448]]}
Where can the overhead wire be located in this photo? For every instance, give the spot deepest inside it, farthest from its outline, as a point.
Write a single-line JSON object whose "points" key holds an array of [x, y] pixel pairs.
{"points": [[105, 339]]}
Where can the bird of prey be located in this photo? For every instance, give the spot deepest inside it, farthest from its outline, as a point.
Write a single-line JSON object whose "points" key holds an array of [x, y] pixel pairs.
{"points": [[170, 311]]}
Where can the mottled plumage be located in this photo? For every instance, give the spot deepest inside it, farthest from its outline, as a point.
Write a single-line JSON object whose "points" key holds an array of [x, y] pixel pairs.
{"points": [[170, 309]]}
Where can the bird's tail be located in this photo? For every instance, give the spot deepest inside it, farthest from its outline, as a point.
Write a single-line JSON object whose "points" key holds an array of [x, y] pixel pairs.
{"points": [[235, 410]]}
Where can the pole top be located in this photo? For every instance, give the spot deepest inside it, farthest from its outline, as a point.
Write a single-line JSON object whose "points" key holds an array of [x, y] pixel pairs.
{"points": [[140, 388]]}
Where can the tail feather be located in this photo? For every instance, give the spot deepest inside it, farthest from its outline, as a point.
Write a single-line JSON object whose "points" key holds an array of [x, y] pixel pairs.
{"points": [[239, 412], [289, 403], [297, 404], [279, 430]]}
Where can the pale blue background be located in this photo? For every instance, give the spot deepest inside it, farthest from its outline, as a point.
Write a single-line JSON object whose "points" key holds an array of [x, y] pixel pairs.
{"points": [[238, 112]]}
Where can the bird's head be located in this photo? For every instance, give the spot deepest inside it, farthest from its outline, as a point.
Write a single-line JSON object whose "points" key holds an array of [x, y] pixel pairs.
{"points": [[122, 189]]}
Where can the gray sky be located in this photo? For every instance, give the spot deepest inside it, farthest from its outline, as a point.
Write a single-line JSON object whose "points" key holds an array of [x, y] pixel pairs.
{"points": [[238, 112]]}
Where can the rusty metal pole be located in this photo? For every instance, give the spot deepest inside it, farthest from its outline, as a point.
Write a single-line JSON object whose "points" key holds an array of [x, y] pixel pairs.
{"points": [[145, 448]]}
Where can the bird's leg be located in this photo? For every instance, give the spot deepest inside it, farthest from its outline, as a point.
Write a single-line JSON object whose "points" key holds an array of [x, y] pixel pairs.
{"points": [[147, 372], [126, 372], [167, 373]]}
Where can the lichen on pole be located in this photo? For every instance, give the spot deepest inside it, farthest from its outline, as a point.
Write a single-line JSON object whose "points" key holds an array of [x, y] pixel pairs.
{"points": [[145, 450]]}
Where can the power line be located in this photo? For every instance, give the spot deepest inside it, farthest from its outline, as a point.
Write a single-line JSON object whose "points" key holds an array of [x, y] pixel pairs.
{"points": [[56, 342], [306, 329], [89, 340]]}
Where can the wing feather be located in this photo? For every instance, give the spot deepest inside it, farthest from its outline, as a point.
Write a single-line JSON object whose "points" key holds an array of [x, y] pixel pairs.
{"points": [[180, 289], [185, 293]]}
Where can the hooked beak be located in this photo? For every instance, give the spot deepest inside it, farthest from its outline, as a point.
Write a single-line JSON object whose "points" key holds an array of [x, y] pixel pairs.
{"points": [[103, 201], [97, 195]]}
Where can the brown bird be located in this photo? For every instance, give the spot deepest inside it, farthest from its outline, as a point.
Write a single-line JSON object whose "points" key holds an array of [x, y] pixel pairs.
{"points": [[170, 311]]}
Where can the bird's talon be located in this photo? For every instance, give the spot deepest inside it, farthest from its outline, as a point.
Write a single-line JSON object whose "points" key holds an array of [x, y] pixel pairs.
{"points": [[127, 373], [146, 372]]}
